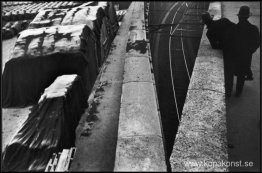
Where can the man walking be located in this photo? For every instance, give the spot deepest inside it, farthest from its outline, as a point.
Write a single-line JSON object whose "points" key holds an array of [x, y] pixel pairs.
{"points": [[241, 41]]}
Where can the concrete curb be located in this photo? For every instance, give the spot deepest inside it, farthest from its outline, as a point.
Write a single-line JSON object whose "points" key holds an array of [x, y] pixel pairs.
{"points": [[140, 143], [201, 143]]}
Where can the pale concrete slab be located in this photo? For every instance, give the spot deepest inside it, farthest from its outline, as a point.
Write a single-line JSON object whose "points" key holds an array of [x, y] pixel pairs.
{"points": [[140, 144], [137, 69], [138, 113], [140, 153], [138, 24]]}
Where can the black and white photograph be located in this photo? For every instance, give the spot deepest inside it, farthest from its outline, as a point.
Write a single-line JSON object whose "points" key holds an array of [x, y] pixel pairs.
{"points": [[131, 86]]}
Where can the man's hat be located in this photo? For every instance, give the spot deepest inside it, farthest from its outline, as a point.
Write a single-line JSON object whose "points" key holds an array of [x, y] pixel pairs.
{"points": [[244, 11], [206, 17]]}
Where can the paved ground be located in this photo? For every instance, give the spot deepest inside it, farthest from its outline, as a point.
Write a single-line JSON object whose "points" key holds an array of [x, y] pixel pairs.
{"points": [[243, 113]]}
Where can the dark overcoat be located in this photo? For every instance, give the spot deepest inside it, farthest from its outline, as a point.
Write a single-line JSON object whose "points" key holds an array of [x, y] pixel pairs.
{"points": [[216, 32], [243, 40]]}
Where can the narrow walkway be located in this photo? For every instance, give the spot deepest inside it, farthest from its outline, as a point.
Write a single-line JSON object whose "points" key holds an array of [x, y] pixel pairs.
{"points": [[243, 113]]}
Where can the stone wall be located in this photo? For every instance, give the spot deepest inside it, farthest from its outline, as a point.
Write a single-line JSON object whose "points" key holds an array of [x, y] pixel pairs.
{"points": [[201, 143]]}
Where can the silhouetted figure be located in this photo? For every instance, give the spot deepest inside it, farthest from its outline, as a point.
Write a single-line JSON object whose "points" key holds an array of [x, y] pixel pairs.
{"points": [[217, 35], [216, 30], [241, 41]]}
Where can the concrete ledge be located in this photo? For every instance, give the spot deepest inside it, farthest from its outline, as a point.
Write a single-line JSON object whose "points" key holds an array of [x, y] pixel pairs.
{"points": [[140, 143], [138, 24], [205, 75], [137, 69], [96, 134], [201, 136], [138, 115], [140, 153], [137, 44]]}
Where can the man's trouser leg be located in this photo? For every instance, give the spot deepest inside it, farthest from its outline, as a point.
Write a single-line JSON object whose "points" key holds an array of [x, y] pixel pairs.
{"points": [[249, 71], [240, 84], [229, 78]]}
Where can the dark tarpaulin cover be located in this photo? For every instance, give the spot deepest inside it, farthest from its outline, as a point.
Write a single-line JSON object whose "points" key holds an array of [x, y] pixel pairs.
{"points": [[49, 128], [99, 16], [40, 55]]}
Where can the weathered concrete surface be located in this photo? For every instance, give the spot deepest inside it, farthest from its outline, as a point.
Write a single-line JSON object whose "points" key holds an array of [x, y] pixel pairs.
{"points": [[205, 75], [140, 153], [97, 131], [140, 143], [12, 121], [138, 115], [201, 143], [137, 69], [200, 137], [243, 113]]}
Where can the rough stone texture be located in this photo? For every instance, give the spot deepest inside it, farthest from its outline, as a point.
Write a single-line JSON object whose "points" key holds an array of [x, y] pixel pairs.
{"points": [[137, 69], [201, 138], [140, 153], [140, 143], [205, 74], [138, 113]]}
